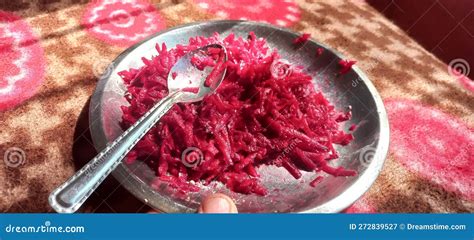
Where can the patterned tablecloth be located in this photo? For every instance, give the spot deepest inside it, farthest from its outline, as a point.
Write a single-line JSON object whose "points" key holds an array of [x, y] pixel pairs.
{"points": [[51, 53]]}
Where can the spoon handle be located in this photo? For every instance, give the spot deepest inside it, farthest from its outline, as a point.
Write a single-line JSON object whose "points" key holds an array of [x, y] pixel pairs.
{"points": [[68, 197]]}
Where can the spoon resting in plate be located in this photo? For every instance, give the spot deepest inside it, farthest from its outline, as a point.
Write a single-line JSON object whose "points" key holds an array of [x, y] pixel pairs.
{"points": [[186, 83]]}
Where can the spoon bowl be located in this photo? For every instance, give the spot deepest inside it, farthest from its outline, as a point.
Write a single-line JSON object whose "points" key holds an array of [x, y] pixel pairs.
{"points": [[69, 196], [184, 76]]}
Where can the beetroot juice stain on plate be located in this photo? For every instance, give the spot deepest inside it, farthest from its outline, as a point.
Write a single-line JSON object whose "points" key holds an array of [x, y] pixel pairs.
{"points": [[252, 119]]}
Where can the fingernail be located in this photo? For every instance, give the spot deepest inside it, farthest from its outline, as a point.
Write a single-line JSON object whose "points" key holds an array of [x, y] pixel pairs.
{"points": [[216, 205]]}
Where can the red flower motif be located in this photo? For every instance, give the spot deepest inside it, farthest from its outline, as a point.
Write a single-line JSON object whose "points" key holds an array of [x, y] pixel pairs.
{"points": [[22, 61], [279, 12], [122, 23], [433, 144]]}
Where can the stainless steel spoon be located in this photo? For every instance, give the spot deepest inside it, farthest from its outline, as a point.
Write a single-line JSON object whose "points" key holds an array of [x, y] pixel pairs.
{"points": [[186, 83]]}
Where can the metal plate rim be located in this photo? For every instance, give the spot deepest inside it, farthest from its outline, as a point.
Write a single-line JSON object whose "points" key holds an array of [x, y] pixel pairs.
{"points": [[337, 204]]}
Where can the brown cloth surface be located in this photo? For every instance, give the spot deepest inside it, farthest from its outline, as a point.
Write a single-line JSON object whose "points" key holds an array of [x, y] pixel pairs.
{"points": [[51, 127]]}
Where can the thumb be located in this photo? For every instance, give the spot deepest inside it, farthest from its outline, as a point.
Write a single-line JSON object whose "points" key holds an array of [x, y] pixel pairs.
{"points": [[217, 203]]}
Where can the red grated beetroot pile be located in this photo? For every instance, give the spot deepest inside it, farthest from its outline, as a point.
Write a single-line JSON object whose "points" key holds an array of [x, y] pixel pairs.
{"points": [[302, 39], [253, 119], [346, 65]]}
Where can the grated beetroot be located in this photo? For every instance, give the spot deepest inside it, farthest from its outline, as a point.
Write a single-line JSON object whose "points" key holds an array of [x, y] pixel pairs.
{"points": [[302, 39], [253, 119], [174, 75], [315, 182], [346, 66], [191, 89]]}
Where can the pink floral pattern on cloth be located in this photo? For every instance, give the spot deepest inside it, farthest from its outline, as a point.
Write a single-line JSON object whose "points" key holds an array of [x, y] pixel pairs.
{"points": [[467, 83], [278, 12], [460, 69], [122, 23], [22, 62], [433, 144]]}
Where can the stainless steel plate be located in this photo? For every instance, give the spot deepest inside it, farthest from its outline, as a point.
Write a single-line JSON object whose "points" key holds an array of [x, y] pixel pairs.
{"points": [[366, 153]]}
